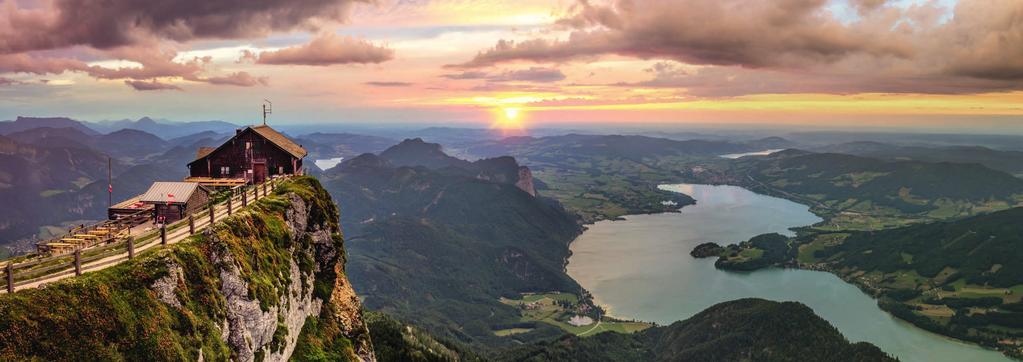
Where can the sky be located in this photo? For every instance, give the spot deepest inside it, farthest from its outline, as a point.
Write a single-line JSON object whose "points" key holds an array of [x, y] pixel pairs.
{"points": [[520, 64]]}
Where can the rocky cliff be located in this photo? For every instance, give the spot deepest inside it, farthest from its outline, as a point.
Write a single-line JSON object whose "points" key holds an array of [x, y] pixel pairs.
{"points": [[267, 284], [525, 181]]}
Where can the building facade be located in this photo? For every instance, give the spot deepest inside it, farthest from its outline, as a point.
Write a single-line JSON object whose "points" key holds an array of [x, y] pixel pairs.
{"points": [[173, 201], [254, 154]]}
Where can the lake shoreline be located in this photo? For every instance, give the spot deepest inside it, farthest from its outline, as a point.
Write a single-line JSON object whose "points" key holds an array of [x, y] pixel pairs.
{"points": [[613, 311]]}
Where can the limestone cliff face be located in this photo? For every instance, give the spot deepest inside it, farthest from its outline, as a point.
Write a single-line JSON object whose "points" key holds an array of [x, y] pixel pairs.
{"points": [[525, 181], [267, 284]]}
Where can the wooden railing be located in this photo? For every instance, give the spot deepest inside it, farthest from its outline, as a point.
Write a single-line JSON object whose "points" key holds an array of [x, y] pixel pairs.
{"points": [[35, 269]]}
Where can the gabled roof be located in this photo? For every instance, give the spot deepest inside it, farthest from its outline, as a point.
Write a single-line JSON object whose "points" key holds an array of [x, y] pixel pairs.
{"points": [[163, 191], [278, 139], [204, 151]]}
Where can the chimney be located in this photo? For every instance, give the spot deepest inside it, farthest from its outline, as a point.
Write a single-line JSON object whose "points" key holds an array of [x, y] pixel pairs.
{"points": [[237, 131]]}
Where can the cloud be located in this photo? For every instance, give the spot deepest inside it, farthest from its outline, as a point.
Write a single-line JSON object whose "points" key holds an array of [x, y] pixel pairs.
{"points": [[113, 23], [327, 49], [241, 79], [155, 64], [8, 81], [533, 74], [388, 84], [140, 85], [985, 40], [24, 63], [466, 75], [791, 45], [750, 34]]}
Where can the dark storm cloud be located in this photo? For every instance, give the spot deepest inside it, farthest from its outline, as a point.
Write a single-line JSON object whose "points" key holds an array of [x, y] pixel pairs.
{"points": [[113, 23]]}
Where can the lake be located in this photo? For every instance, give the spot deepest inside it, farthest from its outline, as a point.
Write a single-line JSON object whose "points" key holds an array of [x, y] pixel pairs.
{"points": [[758, 153], [328, 163], [640, 268]]}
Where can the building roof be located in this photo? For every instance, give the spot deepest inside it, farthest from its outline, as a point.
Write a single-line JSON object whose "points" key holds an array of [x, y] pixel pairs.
{"points": [[265, 131], [280, 140], [204, 151], [164, 191]]}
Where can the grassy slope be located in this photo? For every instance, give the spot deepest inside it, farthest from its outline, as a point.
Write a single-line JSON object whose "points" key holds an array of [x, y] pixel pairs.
{"points": [[113, 315]]}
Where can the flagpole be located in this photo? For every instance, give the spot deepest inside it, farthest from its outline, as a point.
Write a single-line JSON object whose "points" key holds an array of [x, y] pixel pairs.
{"points": [[110, 182]]}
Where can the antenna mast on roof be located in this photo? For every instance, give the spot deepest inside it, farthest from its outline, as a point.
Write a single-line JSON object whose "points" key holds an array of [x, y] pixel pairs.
{"points": [[267, 108]]}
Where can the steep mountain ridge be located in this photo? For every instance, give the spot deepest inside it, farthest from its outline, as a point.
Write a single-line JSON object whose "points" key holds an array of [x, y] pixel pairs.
{"points": [[440, 246], [26, 123], [266, 284]]}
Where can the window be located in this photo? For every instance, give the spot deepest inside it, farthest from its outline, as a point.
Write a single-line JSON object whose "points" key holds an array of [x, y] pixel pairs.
{"points": [[225, 170], [280, 170]]}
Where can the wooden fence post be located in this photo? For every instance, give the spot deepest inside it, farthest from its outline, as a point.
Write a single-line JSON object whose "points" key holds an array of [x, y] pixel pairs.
{"points": [[191, 224], [78, 262], [10, 278], [163, 234], [245, 198], [264, 188], [212, 218], [229, 207], [131, 247]]}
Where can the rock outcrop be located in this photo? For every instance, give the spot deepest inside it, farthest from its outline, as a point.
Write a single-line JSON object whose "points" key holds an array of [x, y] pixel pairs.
{"points": [[525, 181]]}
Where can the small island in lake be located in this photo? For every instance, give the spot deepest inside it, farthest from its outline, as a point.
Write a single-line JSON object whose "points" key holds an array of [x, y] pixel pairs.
{"points": [[707, 250], [758, 252]]}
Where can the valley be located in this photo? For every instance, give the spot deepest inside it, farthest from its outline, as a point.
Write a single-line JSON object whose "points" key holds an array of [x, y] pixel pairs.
{"points": [[533, 238]]}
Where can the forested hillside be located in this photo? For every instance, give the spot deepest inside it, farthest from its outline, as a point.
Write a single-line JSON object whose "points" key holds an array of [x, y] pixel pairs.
{"points": [[739, 330], [855, 192], [440, 247]]}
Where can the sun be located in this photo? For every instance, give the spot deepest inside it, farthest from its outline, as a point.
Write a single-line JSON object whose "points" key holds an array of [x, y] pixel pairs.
{"points": [[508, 119], [511, 114]]}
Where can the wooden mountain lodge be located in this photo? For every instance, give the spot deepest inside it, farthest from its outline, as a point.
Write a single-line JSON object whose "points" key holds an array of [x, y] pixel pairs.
{"points": [[254, 154], [173, 201]]}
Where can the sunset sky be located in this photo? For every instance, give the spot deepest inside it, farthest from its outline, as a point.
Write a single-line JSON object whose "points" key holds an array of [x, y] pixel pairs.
{"points": [[519, 63]]}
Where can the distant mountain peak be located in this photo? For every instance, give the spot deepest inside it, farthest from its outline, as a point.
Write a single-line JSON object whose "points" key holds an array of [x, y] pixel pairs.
{"points": [[365, 161], [416, 152], [22, 123], [145, 121]]}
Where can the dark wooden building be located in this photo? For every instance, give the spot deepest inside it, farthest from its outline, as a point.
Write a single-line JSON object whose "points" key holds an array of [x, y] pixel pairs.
{"points": [[254, 154], [173, 201]]}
